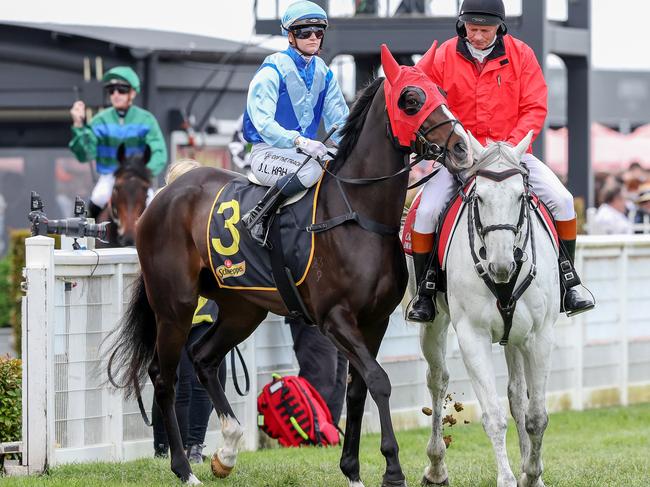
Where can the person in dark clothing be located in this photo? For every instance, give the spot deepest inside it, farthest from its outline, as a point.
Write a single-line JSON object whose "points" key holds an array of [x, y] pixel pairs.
{"points": [[321, 363], [193, 404]]}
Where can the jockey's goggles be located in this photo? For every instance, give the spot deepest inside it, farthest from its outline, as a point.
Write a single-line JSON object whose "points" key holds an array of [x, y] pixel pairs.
{"points": [[122, 89], [306, 32]]}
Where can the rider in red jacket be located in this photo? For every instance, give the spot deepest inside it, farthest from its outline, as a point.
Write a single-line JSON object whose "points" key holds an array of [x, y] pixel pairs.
{"points": [[496, 88]]}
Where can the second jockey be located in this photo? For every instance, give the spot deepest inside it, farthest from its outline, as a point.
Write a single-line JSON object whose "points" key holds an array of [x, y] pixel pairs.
{"points": [[496, 88], [288, 97], [122, 123]]}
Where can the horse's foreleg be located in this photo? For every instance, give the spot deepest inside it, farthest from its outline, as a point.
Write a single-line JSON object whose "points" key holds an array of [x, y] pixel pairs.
{"points": [[207, 354], [476, 349], [361, 349], [518, 397], [171, 338], [537, 358], [433, 340]]}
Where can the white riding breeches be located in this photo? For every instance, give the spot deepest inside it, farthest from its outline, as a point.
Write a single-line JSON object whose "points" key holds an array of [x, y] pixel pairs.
{"points": [[269, 164], [103, 189], [441, 188]]}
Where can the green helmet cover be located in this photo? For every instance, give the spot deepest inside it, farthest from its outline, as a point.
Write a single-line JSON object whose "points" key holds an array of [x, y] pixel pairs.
{"points": [[123, 73]]}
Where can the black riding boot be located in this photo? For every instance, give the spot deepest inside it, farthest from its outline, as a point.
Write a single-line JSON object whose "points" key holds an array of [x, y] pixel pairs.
{"points": [[423, 308], [93, 210], [572, 300], [256, 220]]}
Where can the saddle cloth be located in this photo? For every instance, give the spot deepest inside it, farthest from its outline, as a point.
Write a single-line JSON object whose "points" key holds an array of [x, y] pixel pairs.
{"points": [[235, 259], [451, 216]]}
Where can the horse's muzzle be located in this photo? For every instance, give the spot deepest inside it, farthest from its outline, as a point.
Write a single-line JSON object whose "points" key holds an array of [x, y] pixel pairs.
{"points": [[501, 274]]}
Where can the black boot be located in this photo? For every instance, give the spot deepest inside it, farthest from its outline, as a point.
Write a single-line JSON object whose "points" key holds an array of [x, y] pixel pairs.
{"points": [[423, 308], [571, 298], [256, 220], [93, 210]]}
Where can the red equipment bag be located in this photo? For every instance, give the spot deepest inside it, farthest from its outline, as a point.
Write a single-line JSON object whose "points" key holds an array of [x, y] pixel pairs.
{"points": [[294, 413]]}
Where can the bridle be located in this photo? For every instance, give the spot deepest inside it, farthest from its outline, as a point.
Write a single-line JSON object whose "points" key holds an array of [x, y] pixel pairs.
{"points": [[506, 294]]}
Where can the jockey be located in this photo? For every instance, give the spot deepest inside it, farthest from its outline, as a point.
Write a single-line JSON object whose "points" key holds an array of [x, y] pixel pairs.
{"points": [[496, 88], [123, 123], [287, 98]]}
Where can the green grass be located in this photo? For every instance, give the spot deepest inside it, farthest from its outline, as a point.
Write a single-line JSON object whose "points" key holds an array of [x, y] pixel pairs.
{"points": [[598, 448]]}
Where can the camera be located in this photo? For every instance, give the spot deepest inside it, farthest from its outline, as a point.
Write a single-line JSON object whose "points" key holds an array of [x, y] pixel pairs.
{"points": [[76, 227]]}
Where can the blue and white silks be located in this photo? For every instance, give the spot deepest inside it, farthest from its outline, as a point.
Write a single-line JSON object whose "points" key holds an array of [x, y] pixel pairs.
{"points": [[288, 97]]}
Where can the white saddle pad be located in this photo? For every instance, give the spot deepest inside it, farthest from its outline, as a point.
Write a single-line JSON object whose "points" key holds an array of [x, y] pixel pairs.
{"points": [[289, 201]]}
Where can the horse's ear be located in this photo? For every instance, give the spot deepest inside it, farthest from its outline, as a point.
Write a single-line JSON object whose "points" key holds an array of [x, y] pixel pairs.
{"points": [[477, 147], [425, 64], [121, 154], [522, 146], [391, 68], [147, 154]]}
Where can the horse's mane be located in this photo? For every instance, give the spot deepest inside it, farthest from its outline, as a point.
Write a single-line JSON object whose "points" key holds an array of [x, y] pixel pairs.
{"points": [[352, 128], [136, 167]]}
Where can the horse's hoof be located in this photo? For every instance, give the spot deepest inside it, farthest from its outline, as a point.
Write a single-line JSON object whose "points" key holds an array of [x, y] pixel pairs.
{"points": [[355, 483], [219, 469], [192, 480], [427, 483], [393, 483]]}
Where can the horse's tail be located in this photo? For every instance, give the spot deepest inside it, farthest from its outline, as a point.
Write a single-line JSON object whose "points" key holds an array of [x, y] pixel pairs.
{"points": [[134, 343]]}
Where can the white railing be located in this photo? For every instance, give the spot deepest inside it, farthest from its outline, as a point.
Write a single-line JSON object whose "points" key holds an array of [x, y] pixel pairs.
{"points": [[73, 298]]}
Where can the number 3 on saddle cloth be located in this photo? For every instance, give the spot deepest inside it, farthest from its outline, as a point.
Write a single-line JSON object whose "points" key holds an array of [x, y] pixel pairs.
{"points": [[240, 263], [449, 221]]}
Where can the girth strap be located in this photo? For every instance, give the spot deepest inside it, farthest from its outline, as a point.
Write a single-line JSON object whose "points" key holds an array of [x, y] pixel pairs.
{"points": [[283, 278]]}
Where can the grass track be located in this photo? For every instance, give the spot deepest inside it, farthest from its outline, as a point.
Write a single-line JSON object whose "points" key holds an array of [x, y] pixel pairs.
{"points": [[598, 448]]}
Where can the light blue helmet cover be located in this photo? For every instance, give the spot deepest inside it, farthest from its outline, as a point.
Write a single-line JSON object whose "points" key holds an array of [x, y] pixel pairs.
{"points": [[302, 10]]}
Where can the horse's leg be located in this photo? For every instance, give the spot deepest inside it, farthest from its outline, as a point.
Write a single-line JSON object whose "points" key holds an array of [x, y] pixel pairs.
{"points": [[537, 361], [433, 341], [355, 401], [476, 348], [361, 346], [207, 354], [518, 397], [170, 340]]}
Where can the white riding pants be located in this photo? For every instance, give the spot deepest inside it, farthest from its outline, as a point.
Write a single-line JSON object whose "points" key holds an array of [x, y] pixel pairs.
{"points": [[103, 189], [441, 188], [269, 164]]}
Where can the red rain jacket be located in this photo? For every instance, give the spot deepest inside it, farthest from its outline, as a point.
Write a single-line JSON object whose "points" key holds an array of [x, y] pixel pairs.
{"points": [[503, 100]]}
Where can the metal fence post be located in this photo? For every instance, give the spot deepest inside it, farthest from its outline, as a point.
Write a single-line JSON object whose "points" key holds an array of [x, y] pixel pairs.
{"points": [[38, 361]]}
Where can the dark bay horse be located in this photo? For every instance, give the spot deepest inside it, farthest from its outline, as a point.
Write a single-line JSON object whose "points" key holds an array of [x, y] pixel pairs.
{"points": [[356, 280], [128, 199]]}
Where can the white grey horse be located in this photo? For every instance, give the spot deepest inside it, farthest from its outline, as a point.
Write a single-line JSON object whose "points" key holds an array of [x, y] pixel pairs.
{"points": [[501, 241]]}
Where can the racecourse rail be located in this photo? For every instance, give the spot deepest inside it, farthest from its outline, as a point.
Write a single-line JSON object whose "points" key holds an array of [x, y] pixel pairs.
{"points": [[74, 298]]}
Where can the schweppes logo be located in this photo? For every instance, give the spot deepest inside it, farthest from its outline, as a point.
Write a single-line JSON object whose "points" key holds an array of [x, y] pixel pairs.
{"points": [[228, 269]]}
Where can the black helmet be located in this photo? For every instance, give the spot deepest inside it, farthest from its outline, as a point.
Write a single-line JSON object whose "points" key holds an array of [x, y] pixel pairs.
{"points": [[482, 12]]}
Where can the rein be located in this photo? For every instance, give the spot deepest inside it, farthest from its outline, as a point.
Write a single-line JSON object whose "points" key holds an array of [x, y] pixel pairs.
{"points": [[425, 150], [506, 294]]}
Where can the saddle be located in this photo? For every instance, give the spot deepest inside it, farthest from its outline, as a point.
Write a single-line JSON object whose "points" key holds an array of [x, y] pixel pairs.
{"points": [[235, 259]]}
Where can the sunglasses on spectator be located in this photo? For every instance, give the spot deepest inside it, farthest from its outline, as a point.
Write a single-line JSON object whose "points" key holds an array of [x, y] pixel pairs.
{"points": [[121, 89], [306, 32]]}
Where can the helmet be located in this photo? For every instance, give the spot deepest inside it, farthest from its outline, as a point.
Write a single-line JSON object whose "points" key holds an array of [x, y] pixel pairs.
{"points": [[484, 12], [301, 14], [123, 73]]}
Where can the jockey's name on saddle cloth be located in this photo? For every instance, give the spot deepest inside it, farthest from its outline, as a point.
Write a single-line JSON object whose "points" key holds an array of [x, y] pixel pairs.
{"points": [[235, 259]]}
